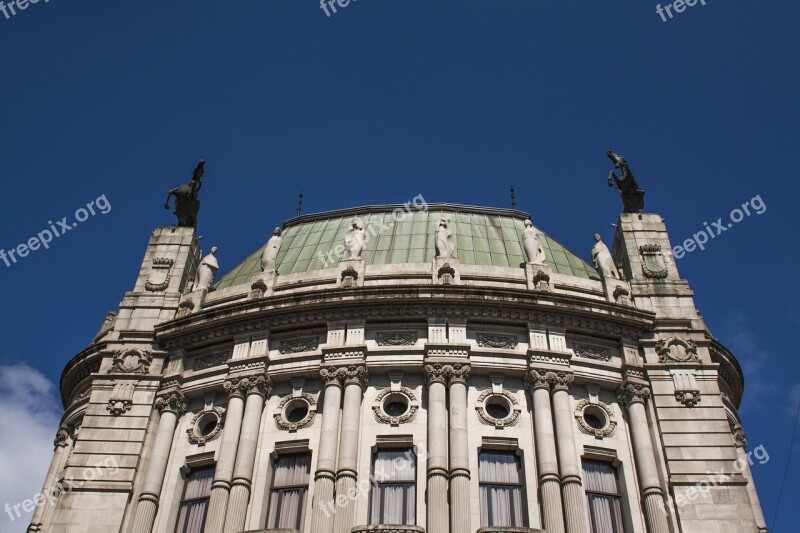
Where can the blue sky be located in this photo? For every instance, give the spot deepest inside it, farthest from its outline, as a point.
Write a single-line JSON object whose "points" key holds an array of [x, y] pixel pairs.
{"points": [[454, 100]]}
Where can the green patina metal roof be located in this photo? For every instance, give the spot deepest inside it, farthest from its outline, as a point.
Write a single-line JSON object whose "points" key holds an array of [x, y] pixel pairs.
{"points": [[483, 236]]}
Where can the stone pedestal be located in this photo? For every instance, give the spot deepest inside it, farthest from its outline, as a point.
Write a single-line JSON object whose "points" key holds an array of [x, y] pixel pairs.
{"points": [[263, 285], [351, 273], [446, 271]]}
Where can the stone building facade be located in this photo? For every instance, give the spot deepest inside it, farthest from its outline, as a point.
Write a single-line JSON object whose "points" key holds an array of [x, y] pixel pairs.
{"points": [[426, 367]]}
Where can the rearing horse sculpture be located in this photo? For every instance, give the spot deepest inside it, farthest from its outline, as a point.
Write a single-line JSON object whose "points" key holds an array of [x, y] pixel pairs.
{"points": [[187, 203], [632, 195]]}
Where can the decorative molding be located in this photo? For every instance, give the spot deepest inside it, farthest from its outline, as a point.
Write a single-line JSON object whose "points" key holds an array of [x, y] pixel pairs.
{"points": [[280, 419], [653, 264], [630, 393], [299, 344], [506, 342], [611, 423], [591, 352], [158, 280], [396, 338], [193, 432], [689, 398], [209, 361], [675, 349], [385, 418], [118, 407], [489, 420], [131, 361], [173, 402]]}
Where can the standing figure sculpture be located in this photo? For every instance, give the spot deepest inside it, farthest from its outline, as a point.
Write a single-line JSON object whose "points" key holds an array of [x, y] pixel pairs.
{"points": [[445, 242], [187, 203], [533, 246], [271, 251], [205, 272], [354, 239], [632, 195], [603, 261]]}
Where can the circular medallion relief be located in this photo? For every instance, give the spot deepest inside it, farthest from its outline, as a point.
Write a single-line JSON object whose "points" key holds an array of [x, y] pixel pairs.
{"points": [[498, 409], [596, 419], [395, 407], [296, 412], [206, 426]]}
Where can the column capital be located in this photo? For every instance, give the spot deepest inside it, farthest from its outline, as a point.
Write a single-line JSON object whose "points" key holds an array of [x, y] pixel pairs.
{"points": [[345, 375], [446, 372], [536, 378], [173, 401], [560, 380], [246, 385], [62, 438], [630, 393]]}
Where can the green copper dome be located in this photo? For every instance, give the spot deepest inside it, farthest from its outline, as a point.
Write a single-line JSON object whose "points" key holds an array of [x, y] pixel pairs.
{"points": [[483, 236]]}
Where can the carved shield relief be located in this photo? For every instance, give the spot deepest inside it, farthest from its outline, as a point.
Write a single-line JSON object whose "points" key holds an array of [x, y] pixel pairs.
{"points": [[653, 263], [158, 280]]}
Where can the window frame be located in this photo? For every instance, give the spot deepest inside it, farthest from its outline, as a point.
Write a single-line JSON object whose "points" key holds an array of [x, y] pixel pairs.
{"points": [[381, 485], [617, 507], [521, 485], [185, 502], [287, 488]]}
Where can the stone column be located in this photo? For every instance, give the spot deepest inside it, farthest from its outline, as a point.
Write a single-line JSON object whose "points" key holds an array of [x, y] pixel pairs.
{"points": [[546, 457], [61, 444], [323, 508], [355, 382], [458, 375], [223, 473], [633, 395], [258, 389], [437, 505], [571, 471], [172, 405]]}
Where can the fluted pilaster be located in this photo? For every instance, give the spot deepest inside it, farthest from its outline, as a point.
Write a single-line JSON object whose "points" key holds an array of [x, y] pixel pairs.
{"points": [[172, 405], [634, 395], [258, 389]]}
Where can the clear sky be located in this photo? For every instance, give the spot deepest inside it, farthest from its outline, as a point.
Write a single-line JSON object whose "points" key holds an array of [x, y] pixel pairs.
{"points": [[454, 100]]}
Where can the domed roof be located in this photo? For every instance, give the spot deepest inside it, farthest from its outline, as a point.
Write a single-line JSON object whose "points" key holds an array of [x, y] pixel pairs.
{"points": [[397, 234]]}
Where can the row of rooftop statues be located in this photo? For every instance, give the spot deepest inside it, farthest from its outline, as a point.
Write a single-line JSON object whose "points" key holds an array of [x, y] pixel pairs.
{"points": [[354, 240]]}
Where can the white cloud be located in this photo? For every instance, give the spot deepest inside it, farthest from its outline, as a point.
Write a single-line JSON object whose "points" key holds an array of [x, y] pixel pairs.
{"points": [[29, 416]]}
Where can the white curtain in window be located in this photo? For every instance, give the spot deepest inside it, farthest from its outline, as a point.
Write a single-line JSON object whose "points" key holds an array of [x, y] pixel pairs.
{"points": [[395, 465], [599, 477], [500, 489], [289, 489], [602, 493], [195, 500]]}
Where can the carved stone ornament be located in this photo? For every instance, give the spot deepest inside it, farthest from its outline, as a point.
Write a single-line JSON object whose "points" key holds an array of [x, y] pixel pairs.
{"points": [[541, 280], [739, 438], [158, 280], [689, 398], [592, 352], [185, 307], [630, 393], [396, 338], [118, 407], [62, 438], [447, 372], [173, 402], [404, 394], [258, 289], [242, 386], [507, 398], [349, 277], [300, 344], [345, 375], [622, 295], [281, 420], [506, 342], [610, 426], [209, 361], [197, 433], [131, 361], [546, 379], [677, 350], [446, 273], [653, 264]]}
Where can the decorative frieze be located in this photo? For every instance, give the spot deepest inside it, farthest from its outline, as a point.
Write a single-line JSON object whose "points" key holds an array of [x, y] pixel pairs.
{"points": [[209, 361], [397, 338], [299, 344], [591, 352], [505, 342]]}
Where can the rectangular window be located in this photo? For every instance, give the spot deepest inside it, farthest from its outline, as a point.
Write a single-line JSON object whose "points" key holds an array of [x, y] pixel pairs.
{"points": [[287, 499], [194, 503], [501, 489], [394, 492], [602, 493]]}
